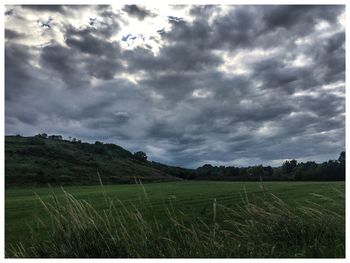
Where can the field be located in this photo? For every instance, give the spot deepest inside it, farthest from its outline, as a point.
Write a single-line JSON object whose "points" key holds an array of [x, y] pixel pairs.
{"points": [[190, 200]]}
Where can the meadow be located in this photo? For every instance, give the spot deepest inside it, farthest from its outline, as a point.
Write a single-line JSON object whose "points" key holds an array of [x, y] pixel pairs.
{"points": [[177, 219]]}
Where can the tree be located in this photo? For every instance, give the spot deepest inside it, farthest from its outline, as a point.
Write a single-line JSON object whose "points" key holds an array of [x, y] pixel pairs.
{"points": [[293, 163], [141, 156], [256, 171], [55, 137], [288, 166], [205, 170], [268, 170], [341, 161], [341, 158], [41, 135]]}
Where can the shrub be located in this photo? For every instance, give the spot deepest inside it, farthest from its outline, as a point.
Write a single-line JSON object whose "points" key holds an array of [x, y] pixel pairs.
{"points": [[140, 156], [35, 141]]}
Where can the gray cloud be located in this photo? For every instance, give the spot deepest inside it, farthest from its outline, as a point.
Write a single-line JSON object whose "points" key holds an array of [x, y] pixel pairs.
{"points": [[12, 34], [241, 86], [64, 63], [137, 11], [87, 41], [302, 17], [20, 76], [46, 8], [9, 12]]}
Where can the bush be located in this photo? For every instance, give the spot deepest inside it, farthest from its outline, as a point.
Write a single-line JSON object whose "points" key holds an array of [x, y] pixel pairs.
{"points": [[35, 141], [140, 156]]}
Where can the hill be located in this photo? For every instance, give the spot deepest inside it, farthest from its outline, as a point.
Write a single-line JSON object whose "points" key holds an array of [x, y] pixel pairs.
{"points": [[42, 160], [32, 161]]}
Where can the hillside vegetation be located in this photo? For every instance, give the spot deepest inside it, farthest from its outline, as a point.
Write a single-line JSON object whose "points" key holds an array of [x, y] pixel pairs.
{"points": [[42, 161]]}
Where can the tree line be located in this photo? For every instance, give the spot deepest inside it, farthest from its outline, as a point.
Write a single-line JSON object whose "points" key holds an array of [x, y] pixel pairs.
{"points": [[332, 170]]}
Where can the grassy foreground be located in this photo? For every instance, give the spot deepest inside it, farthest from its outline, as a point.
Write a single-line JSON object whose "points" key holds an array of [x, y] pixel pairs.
{"points": [[184, 219]]}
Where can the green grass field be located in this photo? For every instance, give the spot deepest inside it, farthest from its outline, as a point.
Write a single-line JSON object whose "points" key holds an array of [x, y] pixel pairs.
{"points": [[194, 199]]}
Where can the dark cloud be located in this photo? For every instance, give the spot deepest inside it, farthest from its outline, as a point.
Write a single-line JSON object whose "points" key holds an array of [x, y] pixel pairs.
{"points": [[19, 74], [102, 68], [65, 63], [56, 9], [332, 57], [300, 17], [87, 54], [179, 58], [242, 86], [110, 22], [136, 11], [9, 12], [87, 41], [274, 74], [228, 30], [197, 34], [76, 69], [46, 8], [12, 34]]}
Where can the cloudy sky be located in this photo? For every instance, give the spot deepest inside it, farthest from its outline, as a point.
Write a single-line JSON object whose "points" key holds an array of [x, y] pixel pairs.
{"points": [[226, 85]]}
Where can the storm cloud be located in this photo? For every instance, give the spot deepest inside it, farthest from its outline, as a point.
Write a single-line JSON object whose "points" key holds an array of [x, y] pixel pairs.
{"points": [[189, 85]]}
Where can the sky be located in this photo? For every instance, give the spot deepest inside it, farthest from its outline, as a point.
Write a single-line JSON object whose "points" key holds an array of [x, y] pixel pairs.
{"points": [[188, 85]]}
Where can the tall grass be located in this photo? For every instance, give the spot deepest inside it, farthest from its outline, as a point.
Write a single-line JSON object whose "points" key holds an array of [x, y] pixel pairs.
{"points": [[264, 228]]}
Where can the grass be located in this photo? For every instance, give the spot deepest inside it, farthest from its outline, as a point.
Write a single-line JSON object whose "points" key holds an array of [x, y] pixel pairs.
{"points": [[183, 219]]}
